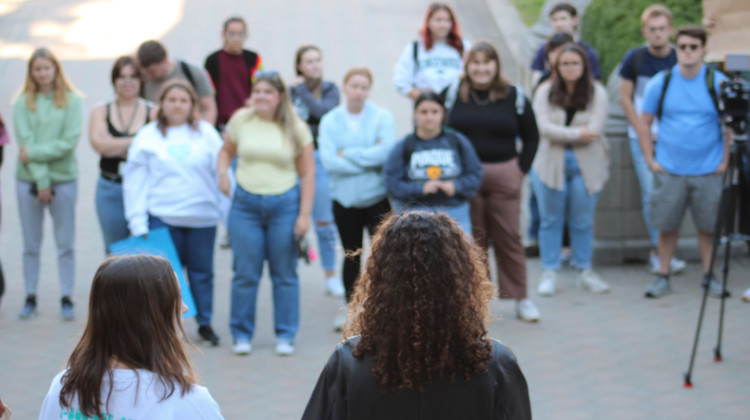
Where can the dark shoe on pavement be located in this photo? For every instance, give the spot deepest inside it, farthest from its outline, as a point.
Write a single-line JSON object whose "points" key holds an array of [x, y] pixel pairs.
{"points": [[67, 311], [207, 334], [29, 308], [658, 287], [714, 287], [532, 250]]}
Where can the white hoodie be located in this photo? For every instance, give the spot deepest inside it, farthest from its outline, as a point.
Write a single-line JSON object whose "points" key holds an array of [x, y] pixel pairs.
{"points": [[437, 69], [173, 178]]}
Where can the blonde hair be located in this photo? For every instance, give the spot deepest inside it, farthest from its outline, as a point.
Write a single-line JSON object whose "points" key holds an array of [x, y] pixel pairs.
{"points": [[654, 11], [285, 115], [61, 87], [358, 71]]}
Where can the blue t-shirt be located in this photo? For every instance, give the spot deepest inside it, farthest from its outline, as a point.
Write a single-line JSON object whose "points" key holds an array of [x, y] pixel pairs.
{"points": [[650, 65], [690, 141], [540, 60]]}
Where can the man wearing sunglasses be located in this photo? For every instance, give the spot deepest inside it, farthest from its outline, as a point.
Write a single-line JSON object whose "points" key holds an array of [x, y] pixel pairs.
{"points": [[689, 156]]}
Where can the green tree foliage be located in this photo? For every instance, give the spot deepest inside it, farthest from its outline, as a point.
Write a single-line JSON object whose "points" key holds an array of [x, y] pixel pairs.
{"points": [[613, 27]]}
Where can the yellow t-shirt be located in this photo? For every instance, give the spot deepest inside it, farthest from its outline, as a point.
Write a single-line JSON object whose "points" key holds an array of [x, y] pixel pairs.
{"points": [[265, 158]]}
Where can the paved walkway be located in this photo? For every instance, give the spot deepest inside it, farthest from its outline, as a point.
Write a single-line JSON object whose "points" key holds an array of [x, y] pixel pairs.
{"points": [[616, 356]]}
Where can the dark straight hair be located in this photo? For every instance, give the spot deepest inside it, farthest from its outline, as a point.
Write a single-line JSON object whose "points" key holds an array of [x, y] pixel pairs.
{"points": [[134, 319], [584, 87]]}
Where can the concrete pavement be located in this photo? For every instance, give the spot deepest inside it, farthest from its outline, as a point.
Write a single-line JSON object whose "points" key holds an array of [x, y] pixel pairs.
{"points": [[616, 356]]}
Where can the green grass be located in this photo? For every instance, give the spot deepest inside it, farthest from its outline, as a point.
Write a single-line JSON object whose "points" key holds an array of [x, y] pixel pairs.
{"points": [[529, 10]]}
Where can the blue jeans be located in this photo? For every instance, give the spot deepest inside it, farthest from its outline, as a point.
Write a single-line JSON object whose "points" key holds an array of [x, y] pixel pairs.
{"points": [[322, 212], [646, 181], [111, 211], [195, 248], [460, 213], [262, 228], [554, 205]]}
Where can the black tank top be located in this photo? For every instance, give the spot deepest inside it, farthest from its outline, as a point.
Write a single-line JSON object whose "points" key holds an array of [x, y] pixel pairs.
{"points": [[111, 165]]}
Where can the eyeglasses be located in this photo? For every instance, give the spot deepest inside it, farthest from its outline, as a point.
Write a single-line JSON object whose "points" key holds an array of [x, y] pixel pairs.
{"points": [[692, 47], [233, 34]]}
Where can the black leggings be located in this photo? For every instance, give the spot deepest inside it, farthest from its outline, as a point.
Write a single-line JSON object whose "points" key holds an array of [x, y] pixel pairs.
{"points": [[351, 223]]}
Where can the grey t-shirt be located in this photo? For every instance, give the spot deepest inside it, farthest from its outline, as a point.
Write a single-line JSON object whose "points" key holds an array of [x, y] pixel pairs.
{"points": [[201, 83]]}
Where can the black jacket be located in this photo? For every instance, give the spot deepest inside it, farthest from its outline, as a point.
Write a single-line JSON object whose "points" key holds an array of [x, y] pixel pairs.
{"points": [[347, 389]]}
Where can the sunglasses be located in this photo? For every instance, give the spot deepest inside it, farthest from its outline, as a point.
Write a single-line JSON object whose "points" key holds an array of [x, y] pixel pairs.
{"points": [[692, 47]]}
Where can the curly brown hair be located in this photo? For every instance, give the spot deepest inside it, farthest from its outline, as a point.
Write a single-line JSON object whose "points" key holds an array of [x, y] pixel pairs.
{"points": [[422, 303]]}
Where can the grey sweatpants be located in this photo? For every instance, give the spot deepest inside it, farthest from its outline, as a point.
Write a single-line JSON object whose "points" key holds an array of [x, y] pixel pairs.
{"points": [[62, 210]]}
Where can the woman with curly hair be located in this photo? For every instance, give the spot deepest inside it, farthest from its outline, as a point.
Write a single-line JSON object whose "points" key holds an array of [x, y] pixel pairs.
{"points": [[419, 346], [131, 361]]}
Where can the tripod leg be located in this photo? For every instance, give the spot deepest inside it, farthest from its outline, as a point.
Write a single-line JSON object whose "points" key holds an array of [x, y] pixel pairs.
{"points": [[718, 230], [725, 275]]}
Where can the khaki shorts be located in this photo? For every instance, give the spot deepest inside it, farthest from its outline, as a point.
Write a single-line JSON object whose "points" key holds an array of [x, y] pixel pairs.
{"points": [[672, 194]]}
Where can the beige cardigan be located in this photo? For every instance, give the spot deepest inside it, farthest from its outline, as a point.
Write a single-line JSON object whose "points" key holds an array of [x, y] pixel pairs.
{"points": [[593, 158]]}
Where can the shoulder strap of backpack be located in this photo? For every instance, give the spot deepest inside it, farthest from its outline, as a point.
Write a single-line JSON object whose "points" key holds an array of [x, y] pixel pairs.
{"points": [[520, 100], [188, 74], [415, 55], [637, 62], [711, 86], [660, 106]]}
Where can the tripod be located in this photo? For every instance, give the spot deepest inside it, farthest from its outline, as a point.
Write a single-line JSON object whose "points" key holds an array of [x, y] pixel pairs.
{"points": [[727, 229]]}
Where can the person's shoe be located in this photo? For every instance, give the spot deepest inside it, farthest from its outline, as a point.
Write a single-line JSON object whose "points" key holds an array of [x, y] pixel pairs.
{"points": [[335, 287], [715, 288], [658, 287], [746, 296], [67, 311], [284, 347], [29, 308], [588, 279], [676, 265], [527, 311], [532, 249], [340, 320], [207, 334], [242, 347], [547, 283]]}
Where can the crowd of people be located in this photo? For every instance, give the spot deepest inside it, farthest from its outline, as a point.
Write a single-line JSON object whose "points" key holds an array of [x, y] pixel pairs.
{"points": [[188, 148]]}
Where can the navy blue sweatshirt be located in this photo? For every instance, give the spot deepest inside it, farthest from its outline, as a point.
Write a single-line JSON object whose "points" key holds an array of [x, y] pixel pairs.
{"points": [[438, 158]]}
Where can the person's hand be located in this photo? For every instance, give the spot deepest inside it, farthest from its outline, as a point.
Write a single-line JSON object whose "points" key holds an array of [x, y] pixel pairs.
{"points": [[709, 21], [5, 413], [414, 94], [224, 184], [431, 187], [587, 135], [23, 154], [655, 167], [302, 224], [722, 167], [341, 153], [448, 187], [45, 195]]}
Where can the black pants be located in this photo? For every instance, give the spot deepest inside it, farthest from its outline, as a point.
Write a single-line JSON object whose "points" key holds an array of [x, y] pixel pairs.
{"points": [[351, 223]]}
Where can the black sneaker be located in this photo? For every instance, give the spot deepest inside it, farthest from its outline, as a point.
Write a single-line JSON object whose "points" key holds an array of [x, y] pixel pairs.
{"points": [[715, 288], [208, 334], [658, 287], [67, 311], [29, 308]]}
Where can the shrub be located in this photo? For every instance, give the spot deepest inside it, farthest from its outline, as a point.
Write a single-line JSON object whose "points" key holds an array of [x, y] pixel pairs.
{"points": [[614, 27]]}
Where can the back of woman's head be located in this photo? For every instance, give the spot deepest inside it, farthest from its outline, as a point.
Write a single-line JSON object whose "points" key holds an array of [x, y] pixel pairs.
{"points": [[134, 320], [421, 304]]}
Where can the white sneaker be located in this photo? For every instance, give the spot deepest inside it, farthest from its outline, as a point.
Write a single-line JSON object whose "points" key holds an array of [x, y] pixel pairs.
{"points": [[547, 283], [676, 265], [335, 287], [527, 311], [340, 321], [588, 279], [242, 347], [746, 296], [284, 347]]}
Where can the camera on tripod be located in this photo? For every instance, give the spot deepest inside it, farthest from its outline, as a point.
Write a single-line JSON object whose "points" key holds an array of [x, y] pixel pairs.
{"points": [[734, 95]]}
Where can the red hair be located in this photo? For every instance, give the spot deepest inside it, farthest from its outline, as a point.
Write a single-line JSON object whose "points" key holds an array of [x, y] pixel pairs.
{"points": [[454, 37]]}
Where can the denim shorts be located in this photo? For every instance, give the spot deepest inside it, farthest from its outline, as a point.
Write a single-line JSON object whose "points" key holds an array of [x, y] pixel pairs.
{"points": [[672, 194]]}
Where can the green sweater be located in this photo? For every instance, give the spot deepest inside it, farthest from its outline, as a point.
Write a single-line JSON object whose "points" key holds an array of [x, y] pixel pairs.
{"points": [[50, 135]]}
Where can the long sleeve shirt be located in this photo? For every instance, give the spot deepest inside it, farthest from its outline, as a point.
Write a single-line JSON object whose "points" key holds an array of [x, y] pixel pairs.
{"points": [[439, 158], [50, 134], [172, 177], [432, 69], [356, 179], [311, 109]]}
